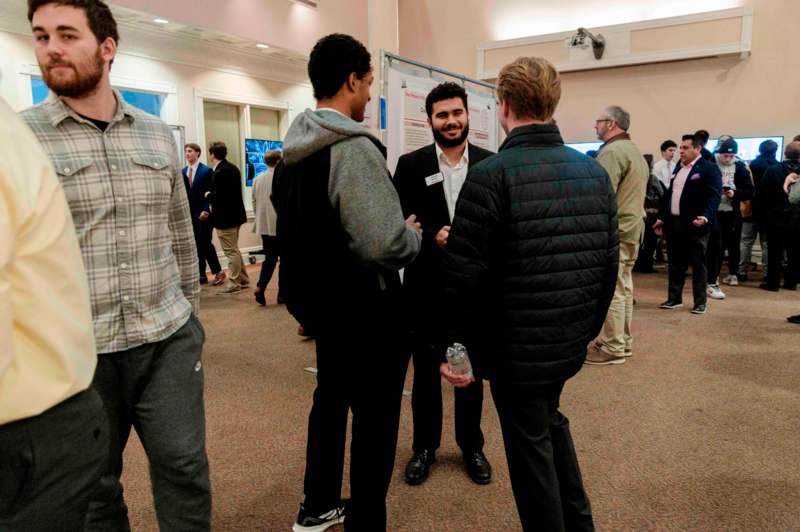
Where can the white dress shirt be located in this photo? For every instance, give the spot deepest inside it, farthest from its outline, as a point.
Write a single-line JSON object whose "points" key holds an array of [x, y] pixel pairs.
{"points": [[454, 176], [663, 171]]}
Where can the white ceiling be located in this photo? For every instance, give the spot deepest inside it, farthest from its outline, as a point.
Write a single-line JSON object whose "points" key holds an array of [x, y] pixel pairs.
{"points": [[183, 43]]}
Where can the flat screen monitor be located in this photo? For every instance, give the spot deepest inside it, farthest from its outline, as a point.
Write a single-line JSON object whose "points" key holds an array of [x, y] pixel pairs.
{"points": [[748, 146], [254, 151], [583, 147]]}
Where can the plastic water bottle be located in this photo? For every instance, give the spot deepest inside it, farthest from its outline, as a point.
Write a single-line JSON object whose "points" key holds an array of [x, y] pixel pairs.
{"points": [[458, 360]]}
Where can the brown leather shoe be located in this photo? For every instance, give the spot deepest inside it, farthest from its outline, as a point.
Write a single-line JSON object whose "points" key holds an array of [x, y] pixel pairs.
{"points": [[219, 278]]}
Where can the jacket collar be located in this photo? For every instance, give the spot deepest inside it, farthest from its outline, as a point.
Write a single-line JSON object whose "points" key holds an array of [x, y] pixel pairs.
{"points": [[533, 135], [621, 136]]}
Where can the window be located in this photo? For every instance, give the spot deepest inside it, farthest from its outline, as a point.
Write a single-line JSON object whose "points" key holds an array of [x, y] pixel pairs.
{"points": [[148, 102]]}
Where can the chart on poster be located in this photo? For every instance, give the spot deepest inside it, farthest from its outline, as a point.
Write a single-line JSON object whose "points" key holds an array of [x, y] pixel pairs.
{"points": [[407, 121]]}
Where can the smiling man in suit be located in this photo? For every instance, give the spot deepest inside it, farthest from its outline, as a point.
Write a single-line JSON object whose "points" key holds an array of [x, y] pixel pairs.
{"points": [[198, 179], [428, 181], [687, 207]]}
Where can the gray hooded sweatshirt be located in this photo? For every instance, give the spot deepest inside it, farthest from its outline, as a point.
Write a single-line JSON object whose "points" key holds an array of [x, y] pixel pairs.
{"points": [[359, 186]]}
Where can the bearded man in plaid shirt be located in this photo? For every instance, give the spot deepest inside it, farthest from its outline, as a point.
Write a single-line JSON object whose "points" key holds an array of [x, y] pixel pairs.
{"points": [[120, 172]]}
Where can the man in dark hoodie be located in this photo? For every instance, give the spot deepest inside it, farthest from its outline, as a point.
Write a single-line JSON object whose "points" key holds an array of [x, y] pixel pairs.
{"points": [[750, 228], [342, 240], [531, 267], [781, 220]]}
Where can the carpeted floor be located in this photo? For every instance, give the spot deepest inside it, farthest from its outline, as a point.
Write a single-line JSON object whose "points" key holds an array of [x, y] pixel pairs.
{"points": [[698, 431]]}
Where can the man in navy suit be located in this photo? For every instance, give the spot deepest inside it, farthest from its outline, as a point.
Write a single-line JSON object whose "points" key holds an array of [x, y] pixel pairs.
{"points": [[198, 179], [428, 181], [687, 208]]}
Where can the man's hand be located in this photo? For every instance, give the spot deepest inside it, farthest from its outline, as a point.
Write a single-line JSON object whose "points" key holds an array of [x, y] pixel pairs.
{"points": [[412, 222], [442, 235], [204, 216], [700, 221], [729, 193], [658, 228], [459, 381], [791, 179]]}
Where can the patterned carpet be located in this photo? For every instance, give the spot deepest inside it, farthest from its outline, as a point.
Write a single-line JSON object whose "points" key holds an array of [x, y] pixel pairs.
{"points": [[698, 431]]}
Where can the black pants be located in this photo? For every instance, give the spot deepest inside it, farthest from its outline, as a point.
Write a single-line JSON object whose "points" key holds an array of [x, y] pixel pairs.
{"points": [[206, 252], [783, 236], [644, 261], [360, 370], [50, 465], [158, 390], [545, 475], [725, 235], [270, 245], [426, 405], [686, 246]]}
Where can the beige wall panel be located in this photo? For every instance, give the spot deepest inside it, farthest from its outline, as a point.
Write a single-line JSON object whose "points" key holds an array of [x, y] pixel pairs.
{"points": [[554, 52], [756, 96], [696, 35]]}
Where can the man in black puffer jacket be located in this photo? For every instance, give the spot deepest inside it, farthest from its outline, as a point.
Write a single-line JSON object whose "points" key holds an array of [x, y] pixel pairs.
{"points": [[530, 271]]}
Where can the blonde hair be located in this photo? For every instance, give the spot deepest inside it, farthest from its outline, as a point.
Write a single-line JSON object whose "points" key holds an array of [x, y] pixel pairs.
{"points": [[531, 86]]}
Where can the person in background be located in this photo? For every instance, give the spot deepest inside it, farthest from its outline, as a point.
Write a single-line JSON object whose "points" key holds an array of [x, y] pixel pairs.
{"points": [[651, 242], [528, 288], [342, 241], [199, 178], [702, 136], [767, 151], [665, 167], [264, 224], [630, 174], [228, 211], [737, 186], [792, 189], [780, 219], [53, 430], [689, 204], [122, 179]]}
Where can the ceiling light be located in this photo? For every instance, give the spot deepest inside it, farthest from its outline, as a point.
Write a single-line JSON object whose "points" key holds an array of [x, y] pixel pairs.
{"points": [[161, 21], [262, 45]]}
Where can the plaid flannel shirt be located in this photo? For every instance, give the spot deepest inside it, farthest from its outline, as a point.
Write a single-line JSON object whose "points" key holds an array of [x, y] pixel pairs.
{"points": [[131, 212]]}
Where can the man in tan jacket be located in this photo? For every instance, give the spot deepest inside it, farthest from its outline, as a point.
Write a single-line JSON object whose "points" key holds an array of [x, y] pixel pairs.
{"points": [[629, 174]]}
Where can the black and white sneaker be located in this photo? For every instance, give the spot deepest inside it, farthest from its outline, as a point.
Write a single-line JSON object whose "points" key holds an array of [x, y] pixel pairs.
{"points": [[318, 523], [669, 304]]}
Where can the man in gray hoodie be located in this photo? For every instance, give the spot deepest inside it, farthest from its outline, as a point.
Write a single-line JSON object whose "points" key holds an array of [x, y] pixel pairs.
{"points": [[342, 240]]}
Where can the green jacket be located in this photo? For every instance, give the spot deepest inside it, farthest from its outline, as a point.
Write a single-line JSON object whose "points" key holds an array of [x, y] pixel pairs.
{"points": [[629, 175]]}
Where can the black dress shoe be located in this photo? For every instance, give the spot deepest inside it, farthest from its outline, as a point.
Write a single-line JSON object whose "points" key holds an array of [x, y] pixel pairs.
{"points": [[791, 287], [771, 288], [478, 467], [260, 299], [419, 467], [204, 280], [794, 319]]}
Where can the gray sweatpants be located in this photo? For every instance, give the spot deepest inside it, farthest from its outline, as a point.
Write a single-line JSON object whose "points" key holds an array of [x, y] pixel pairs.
{"points": [[158, 390]]}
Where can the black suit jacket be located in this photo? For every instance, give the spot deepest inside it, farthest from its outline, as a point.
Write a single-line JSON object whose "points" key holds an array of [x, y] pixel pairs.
{"points": [[225, 197], [422, 279], [201, 183], [700, 197]]}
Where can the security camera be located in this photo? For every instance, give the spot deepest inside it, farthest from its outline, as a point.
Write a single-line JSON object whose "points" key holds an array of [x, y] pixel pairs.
{"points": [[578, 40]]}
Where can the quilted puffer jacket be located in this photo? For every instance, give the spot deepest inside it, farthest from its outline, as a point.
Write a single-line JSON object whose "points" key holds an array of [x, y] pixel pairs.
{"points": [[532, 259]]}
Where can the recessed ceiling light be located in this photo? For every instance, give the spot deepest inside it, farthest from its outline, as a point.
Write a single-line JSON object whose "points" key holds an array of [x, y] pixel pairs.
{"points": [[161, 21], [262, 45]]}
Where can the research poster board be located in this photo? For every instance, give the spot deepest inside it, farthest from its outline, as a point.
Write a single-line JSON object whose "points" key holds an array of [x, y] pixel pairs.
{"points": [[407, 126]]}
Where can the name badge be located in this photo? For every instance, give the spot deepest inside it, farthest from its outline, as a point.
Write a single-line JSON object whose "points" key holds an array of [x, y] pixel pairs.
{"points": [[433, 179]]}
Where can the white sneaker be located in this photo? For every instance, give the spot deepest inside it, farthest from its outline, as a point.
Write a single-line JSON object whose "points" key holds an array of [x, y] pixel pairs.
{"points": [[731, 280], [714, 292]]}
